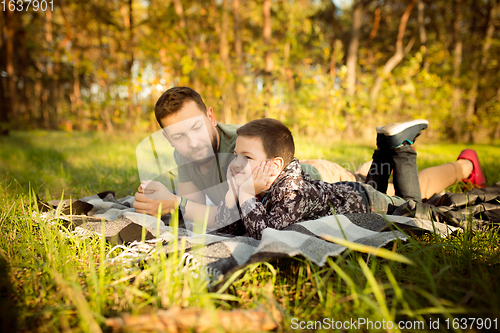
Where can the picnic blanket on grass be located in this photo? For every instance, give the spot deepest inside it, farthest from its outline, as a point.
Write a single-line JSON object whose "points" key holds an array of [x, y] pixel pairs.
{"points": [[223, 254], [469, 210]]}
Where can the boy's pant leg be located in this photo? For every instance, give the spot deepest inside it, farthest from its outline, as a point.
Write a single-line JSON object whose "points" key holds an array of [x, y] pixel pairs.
{"points": [[405, 173], [381, 168], [402, 162], [380, 202]]}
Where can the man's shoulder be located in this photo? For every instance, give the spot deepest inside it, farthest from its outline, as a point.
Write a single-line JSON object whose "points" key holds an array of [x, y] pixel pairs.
{"points": [[227, 133], [228, 128]]}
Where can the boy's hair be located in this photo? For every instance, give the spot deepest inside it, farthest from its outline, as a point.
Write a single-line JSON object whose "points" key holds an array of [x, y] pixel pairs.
{"points": [[276, 138], [172, 100]]}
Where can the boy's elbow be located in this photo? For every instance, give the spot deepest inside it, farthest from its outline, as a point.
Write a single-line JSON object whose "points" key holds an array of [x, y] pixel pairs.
{"points": [[256, 235], [254, 232]]}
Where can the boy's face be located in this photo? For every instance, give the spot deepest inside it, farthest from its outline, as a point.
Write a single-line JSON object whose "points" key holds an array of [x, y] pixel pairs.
{"points": [[248, 154]]}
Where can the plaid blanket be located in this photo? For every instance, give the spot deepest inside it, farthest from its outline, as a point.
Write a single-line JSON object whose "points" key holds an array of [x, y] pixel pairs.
{"points": [[222, 254]]}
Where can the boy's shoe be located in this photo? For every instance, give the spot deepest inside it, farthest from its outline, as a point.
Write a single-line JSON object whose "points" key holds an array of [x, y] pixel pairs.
{"points": [[476, 176], [398, 133]]}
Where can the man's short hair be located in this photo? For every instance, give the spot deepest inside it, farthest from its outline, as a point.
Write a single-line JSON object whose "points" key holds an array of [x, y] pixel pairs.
{"points": [[276, 138], [172, 100]]}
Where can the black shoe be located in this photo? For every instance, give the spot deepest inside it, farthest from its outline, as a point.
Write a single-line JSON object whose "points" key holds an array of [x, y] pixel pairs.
{"points": [[398, 133]]}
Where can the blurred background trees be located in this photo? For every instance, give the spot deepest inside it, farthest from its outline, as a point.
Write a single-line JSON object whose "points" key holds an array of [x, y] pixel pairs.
{"points": [[324, 67]]}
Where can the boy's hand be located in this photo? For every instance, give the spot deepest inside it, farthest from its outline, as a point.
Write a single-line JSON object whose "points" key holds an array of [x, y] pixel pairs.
{"points": [[260, 180]]}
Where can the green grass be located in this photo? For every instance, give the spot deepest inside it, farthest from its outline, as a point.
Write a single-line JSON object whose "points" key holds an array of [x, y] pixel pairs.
{"points": [[54, 281]]}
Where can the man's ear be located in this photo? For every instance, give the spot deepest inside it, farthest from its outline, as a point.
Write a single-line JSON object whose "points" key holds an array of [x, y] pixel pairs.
{"points": [[277, 165], [211, 116], [166, 137]]}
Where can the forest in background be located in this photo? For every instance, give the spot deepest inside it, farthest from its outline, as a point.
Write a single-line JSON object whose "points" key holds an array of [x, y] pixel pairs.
{"points": [[323, 67]]}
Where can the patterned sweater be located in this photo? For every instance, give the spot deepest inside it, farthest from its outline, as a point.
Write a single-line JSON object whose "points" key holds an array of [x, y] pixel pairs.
{"points": [[293, 197]]}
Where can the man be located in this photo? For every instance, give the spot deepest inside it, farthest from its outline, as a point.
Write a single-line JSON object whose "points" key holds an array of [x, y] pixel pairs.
{"points": [[203, 151]]}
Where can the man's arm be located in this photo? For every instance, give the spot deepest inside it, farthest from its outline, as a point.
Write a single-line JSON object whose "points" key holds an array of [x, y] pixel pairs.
{"points": [[191, 192], [151, 195], [196, 209]]}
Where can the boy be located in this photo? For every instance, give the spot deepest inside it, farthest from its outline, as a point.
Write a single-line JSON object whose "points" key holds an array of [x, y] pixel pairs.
{"points": [[269, 189]]}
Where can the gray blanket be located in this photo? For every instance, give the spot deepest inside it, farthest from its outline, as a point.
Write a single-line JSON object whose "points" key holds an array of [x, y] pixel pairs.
{"points": [[470, 210], [222, 254]]}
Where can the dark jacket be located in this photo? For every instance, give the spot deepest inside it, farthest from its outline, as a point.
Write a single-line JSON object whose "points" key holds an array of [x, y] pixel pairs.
{"points": [[292, 198]]}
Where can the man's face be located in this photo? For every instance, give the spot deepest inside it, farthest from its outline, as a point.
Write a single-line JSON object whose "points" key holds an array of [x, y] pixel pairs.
{"points": [[192, 133], [248, 154]]}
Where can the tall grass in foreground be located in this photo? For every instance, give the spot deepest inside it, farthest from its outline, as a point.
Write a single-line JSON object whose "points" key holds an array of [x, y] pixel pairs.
{"points": [[60, 280], [452, 278], [53, 280]]}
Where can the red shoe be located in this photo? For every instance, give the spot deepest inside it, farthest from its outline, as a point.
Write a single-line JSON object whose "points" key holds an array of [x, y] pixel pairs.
{"points": [[476, 177]]}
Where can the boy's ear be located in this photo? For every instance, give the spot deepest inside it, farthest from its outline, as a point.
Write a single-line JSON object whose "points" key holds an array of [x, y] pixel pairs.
{"points": [[276, 166]]}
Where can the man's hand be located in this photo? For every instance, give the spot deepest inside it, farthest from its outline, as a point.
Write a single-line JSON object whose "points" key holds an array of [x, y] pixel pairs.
{"points": [[155, 190], [259, 181], [149, 196]]}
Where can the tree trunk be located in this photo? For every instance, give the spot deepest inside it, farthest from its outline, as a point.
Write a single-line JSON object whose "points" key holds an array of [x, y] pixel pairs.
{"points": [[75, 95], [471, 105], [107, 110], [238, 48], [179, 10], [55, 88], [496, 131], [352, 63], [23, 104], [287, 73], [38, 92], [266, 34], [422, 33], [371, 50], [352, 53], [224, 56], [480, 72], [129, 26], [83, 122], [4, 116], [185, 35], [334, 42], [49, 94], [131, 106], [4, 106], [10, 106], [396, 58], [457, 63]]}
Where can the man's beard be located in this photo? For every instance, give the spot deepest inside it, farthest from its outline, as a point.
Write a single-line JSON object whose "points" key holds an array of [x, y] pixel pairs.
{"points": [[209, 158]]}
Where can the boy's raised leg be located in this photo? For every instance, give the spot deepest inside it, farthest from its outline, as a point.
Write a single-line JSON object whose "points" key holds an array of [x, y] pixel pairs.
{"points": [[405, 173], [394, 149]]}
